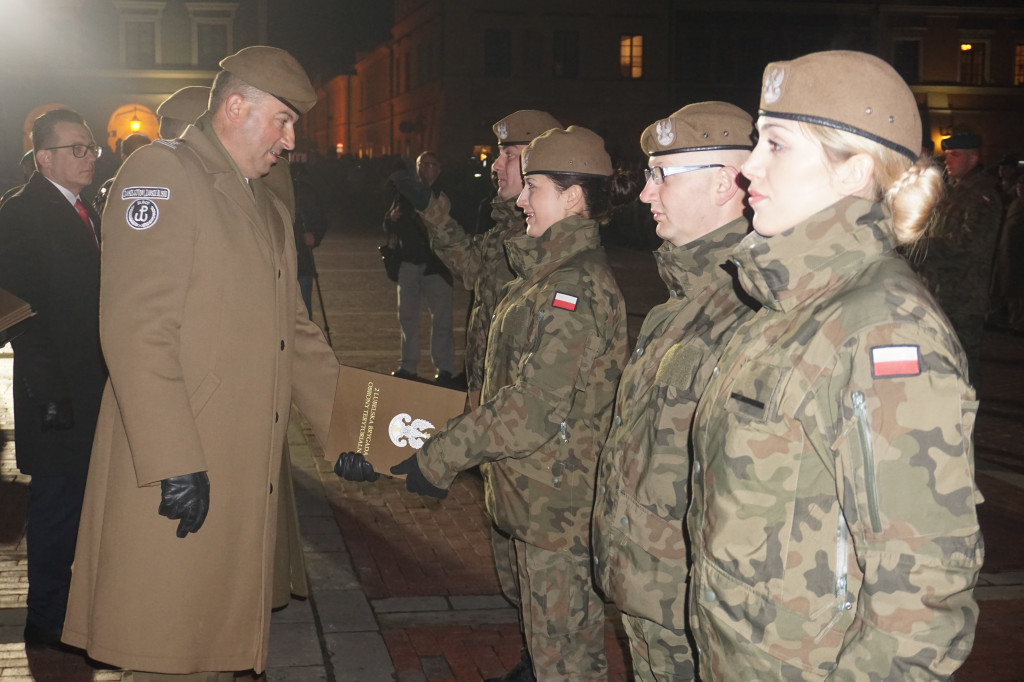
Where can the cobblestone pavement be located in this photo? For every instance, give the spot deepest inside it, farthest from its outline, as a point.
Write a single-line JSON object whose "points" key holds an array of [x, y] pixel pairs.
{"points": [[404, 589]]}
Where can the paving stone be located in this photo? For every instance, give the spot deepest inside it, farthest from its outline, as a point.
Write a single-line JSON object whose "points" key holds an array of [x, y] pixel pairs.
{"points": [[297, 674], [480, 602], [297, 611], [295, 644], [359, 657], [331, 570], [344, 611], [410, 604]]}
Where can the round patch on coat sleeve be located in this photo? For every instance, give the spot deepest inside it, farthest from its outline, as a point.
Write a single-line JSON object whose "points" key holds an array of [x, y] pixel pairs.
{"points": [[142, 214]]}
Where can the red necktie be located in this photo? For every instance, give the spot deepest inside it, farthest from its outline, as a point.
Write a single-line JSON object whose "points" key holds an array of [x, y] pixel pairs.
{"points": [[80, 207]]}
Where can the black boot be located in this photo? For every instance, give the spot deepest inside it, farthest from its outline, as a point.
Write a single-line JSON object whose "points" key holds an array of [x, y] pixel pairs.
{"points": [[523, 672]]}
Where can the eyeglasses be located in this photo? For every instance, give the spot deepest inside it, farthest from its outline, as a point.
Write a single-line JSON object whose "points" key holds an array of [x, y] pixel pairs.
{"points": [[80, 150], [659, 173]]}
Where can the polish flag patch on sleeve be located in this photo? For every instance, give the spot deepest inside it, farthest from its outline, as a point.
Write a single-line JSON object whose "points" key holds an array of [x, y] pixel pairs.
{"points": [[564, 301], [895, 361]]}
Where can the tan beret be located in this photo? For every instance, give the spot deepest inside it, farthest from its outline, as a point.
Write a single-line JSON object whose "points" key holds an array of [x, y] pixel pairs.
{"points": [[573, 150], [273, 71], [523, 126], [851, 91], [186, 104], [704, 126]]}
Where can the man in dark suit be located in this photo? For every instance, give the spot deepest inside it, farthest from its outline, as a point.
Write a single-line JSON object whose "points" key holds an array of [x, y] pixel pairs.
{"points": [[50, 257]]}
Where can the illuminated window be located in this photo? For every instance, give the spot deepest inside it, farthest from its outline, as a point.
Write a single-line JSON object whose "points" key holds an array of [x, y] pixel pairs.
{"points": [[972, 63], [631, 56], [139, 28], [1018, 65]]}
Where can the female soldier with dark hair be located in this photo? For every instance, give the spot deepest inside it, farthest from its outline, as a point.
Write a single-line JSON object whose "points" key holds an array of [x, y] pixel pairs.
{"points": [[556, 348], [833, 524]]}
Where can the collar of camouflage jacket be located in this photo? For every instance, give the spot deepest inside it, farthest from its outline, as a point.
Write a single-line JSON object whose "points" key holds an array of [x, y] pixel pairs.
{"points": [[562, 241], [691, 268], [507, 216], [784, 271]]}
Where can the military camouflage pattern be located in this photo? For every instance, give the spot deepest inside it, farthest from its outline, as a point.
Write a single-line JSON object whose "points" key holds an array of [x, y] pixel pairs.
{"points": [[955, 257], [640, 555], [658, 654], [563, 624], [547, 396], [481, 263], [833, 524]]}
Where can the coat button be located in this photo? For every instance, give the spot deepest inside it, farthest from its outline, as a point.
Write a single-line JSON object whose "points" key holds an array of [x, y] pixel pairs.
{"points": [[604, 490], [618, 420], [709, 595], [279, 274], [282, 344], [275, 417], [271, 488], [624, 522]]}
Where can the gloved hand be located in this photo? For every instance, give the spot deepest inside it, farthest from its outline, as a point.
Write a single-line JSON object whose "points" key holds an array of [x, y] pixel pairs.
{"points": [[409, 186], [57, 416], [437, 209], [352, 466], [415, 482], [187, 498]]}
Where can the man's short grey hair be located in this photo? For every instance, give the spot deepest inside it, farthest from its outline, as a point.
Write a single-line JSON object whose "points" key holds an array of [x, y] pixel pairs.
{"points": [[227, 84]]}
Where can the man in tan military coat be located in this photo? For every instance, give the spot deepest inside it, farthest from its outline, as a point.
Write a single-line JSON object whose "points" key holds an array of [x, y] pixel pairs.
{"points": [[208, 344]]}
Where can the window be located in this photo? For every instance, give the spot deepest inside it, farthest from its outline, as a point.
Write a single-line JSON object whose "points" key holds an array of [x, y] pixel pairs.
{"points": [[212, 31], [498, 52], [1018, 65], [631, 56], [139, 32], [907, 60], [565, 54], [972, 63]]}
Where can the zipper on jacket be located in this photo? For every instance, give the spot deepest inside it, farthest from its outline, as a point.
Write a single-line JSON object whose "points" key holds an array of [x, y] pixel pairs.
{"points": [[842, 569], [861, 413]]}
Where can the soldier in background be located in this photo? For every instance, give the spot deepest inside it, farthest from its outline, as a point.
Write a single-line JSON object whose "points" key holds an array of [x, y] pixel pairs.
{"points": [[128, 145], [955, 257], [640, 553]]}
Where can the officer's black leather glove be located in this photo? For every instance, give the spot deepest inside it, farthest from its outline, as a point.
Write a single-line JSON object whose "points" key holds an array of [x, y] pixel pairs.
{"points": [[57, 416], [352, 466], [415, 482], [408, 184], [187, 498]]}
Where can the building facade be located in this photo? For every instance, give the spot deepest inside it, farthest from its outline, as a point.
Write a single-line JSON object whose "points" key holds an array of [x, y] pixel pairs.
{"points": [[113, 61], [452, 67]]}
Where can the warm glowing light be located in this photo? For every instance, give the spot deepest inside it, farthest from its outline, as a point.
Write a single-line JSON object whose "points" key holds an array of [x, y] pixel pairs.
{"points": [[136, 124], [966, 47]]}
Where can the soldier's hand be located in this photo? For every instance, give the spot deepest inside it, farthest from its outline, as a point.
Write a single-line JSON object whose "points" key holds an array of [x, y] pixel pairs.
{"points": [[186, 498], [437, 210], [415, 482], [352, 466], [409, 185], [57, 415]]}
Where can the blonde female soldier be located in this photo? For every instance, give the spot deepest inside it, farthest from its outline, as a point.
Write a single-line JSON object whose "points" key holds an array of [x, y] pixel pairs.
{"points": [[833, 520]]}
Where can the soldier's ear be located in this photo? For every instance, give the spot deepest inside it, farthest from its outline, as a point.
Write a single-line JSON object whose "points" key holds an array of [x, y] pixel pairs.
{"points": [[235, 107], [727, 184], [855, 176]]}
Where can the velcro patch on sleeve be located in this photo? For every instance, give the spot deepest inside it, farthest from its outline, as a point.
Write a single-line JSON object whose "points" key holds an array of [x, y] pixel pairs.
{"points": [[565, 301], [895, 361], [145, 193]]}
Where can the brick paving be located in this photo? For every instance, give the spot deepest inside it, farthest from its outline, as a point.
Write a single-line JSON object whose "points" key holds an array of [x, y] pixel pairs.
{"points": [[404, 587]]}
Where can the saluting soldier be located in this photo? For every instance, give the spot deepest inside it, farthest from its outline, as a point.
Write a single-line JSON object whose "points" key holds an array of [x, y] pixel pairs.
{"points": [[833, 520], [640, 554], [208, 343]]}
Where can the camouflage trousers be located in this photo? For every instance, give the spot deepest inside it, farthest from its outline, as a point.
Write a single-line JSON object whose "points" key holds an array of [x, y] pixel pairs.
{"points": [[659, 654], [562, 615]]}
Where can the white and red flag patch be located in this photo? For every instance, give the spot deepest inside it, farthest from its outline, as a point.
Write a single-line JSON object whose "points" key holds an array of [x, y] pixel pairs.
{"points": [[564, 301], [895, 361]]}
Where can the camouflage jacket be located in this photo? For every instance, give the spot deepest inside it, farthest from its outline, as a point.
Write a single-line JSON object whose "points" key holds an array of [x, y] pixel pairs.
{"points": [[640, 555], [833, 524], [481, 263], [556, 349], [955, 257]]}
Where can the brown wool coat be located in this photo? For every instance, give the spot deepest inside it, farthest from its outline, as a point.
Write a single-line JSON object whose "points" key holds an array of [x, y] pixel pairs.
{"points": [[208, 343]]}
